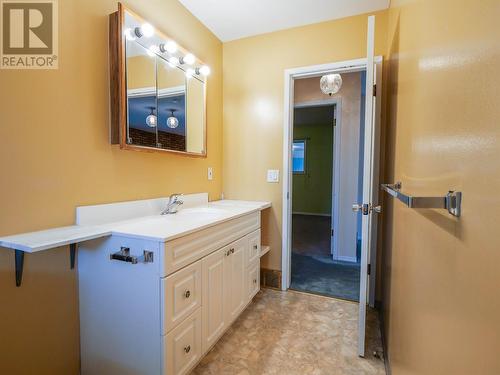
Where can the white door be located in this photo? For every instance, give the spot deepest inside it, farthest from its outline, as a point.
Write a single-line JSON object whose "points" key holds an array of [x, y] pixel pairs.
{"points": [[366, 207], [236, 284]]}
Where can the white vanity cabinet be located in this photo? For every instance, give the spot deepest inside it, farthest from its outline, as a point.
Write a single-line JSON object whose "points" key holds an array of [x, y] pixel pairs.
{"points": [[161, 316]]}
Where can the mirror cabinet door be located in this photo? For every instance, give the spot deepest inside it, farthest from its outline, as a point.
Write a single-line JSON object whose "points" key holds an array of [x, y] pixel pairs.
{"points": [[195, 115], [171, 106], [142, 109]]}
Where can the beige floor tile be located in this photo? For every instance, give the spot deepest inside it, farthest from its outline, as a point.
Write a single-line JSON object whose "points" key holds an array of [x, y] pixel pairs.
{"points": [[295, 333]]}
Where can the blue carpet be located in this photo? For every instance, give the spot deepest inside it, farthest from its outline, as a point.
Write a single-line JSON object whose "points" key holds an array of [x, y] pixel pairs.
{"points": [[320, 274]]}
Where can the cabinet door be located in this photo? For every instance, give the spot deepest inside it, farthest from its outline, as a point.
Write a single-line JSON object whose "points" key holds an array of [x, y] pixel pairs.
{"points": [[214, 297], [237, 296], [183, 346], [253, 280]]}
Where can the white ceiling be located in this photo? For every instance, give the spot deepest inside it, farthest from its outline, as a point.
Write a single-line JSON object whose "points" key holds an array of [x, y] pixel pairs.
{"points": [[235, 19]]}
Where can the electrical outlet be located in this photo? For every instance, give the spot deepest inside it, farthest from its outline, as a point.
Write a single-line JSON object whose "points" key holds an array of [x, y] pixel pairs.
{"points": [[210, 173], [273, 175]]}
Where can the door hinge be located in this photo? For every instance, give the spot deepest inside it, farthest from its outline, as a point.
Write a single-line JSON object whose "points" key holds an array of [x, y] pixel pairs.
{"points": [[375, 90], [369, 269]]}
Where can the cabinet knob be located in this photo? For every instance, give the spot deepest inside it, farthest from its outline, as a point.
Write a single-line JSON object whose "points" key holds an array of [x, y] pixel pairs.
{"points": [[255, 247], [255, 281], [232, 251], [187, 349], [187, 294], [228, 253]]}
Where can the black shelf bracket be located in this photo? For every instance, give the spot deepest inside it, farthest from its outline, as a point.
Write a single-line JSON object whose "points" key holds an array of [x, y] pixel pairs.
{"points": [[72, 255], [19, 259]]}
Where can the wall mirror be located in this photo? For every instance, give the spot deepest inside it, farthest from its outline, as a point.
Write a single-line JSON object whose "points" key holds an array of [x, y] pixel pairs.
{"points": [[158, 89]]}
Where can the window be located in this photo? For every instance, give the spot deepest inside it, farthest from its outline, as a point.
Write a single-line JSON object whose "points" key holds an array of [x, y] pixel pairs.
{"points": [[299, 156]]}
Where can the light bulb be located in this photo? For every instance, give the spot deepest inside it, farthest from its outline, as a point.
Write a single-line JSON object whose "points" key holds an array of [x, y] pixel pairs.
{"points": [[147, 30], [204, 70], [151, 121], [171, 46], [129, 35], [172, 122], [173, 60], [189, 72], [189, 59], [153, 50]]}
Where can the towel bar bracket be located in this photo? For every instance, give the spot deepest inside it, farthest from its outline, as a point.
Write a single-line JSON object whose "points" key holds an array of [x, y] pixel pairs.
{"points": [[452, 201]]}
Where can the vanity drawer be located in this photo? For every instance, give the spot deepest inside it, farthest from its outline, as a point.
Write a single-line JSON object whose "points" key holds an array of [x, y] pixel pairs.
{"points": [[253, 280], [181, 295], [182, 251], [253, 251], [182, 346]]}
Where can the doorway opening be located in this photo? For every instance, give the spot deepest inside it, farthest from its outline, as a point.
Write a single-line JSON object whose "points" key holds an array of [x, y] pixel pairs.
{"points": [[327, 177]]}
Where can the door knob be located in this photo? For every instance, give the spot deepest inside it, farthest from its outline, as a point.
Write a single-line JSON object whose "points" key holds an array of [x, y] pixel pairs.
{"points": [[356, 207], [364, 208]]}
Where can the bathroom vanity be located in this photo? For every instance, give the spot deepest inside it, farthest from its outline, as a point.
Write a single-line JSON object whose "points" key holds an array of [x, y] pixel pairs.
{"points": [[157, 291]]}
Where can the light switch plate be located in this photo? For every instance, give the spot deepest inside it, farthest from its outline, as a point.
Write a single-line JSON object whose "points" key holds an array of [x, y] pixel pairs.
{"points": [[210, 173], [273, 175]]}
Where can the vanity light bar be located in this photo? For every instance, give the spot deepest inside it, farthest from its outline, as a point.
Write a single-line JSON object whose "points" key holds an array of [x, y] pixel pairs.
{"points": [[147, 30]]}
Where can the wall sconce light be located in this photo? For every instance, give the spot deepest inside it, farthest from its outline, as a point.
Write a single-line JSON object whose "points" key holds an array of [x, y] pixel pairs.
{"points": [[204, 70], [146, 29], [188, 59]]}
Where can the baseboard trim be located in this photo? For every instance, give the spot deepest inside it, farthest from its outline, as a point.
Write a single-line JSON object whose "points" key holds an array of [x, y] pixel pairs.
{"points": [[344, 258], [387, 362], [310, 214]]}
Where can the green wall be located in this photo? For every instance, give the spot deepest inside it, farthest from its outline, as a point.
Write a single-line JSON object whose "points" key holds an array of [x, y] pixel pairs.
{"points": [[312, 191]]}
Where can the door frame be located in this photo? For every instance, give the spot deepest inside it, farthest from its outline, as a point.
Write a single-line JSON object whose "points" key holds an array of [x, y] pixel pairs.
{"points": [[290, 75], [337, 104]]}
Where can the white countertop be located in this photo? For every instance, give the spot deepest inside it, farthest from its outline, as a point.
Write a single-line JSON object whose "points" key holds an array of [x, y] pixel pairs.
{"points": [[151, 227]]}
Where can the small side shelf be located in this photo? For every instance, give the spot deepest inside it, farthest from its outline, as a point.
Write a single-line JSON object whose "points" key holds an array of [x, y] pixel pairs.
{"points": [[264, 249]]}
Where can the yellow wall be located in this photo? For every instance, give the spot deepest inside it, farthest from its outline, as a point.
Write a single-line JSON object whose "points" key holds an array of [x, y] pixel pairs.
{"points": [[441, 287], [55, 155], [253, 104]]}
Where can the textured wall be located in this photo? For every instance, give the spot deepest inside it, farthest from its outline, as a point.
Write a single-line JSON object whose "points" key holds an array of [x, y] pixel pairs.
{"points": [[441, 298], [253, 104], [55, 155]]}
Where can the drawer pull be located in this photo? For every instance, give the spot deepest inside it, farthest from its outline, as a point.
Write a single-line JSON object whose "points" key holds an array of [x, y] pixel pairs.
{"points": [[187, 294], [187, 349]]}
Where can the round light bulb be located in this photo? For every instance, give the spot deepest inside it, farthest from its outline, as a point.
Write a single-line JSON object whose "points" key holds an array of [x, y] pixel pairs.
{"points": [[171, 46], [129, 35], [189, 59], [147, 30], [205, 70], [172, 122], [153, 50], [189, 72], [151, 121], [173, 60]]}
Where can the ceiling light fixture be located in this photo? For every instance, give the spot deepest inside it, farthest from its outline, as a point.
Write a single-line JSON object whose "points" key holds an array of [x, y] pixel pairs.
{"points": [[172, 121], [151, 119], [330, 84]]}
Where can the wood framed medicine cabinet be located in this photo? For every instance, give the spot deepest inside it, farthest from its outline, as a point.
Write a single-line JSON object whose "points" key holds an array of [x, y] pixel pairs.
{"points": [[157, 90]]}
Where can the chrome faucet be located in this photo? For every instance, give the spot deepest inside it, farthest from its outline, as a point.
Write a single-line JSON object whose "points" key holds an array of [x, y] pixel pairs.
{"points": [[173, 204]]}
